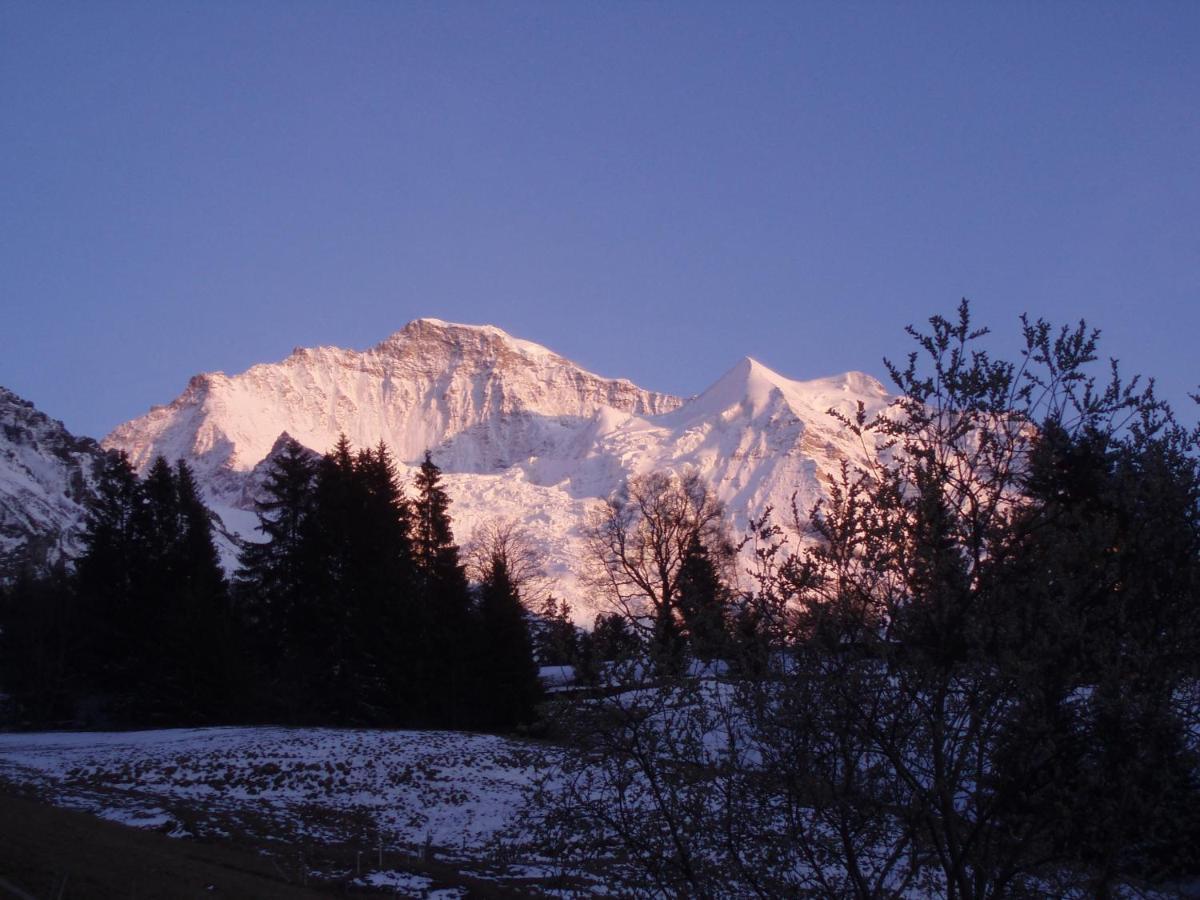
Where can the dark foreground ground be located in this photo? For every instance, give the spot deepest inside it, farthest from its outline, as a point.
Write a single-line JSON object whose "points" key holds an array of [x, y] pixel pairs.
{"points": [[51, 853], [47, 852]]}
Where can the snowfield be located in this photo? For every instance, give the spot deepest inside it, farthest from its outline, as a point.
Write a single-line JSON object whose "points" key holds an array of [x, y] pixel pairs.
{"points": [[395, 796], [439, 814]]}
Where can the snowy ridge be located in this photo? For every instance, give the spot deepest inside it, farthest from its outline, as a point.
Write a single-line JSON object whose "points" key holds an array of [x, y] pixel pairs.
{"points": [[425, 384], [520, 432], [46, 478]]}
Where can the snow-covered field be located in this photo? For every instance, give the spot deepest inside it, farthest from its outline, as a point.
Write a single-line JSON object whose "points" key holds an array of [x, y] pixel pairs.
{"points": [[384, 797]]}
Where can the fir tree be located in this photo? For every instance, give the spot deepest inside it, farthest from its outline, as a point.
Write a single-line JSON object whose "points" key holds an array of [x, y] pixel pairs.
{"points": [[200, 563], [41, 639], [666, 640], [153, 599], [703, 602], [434, 549], [325, 645], [443, 592], [273, 571], [509, 687], [388, 624], [201, 637], [556, 638], [117, 622]]}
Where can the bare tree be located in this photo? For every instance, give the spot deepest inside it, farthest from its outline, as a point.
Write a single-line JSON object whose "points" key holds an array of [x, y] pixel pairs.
{"points": [[507, 541], [638, 542], [979, 674]]}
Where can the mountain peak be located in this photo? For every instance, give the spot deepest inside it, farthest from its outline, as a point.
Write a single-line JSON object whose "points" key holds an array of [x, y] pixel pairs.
{"points": [[518, 429], [442, 325], [430, 382], [748, 384], [750, 371], [755, 388], [485, 339]]}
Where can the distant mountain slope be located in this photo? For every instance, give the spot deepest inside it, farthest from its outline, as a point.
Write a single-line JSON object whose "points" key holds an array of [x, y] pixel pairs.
{"points": [[426, 384], [521, 432], [46, 478]]}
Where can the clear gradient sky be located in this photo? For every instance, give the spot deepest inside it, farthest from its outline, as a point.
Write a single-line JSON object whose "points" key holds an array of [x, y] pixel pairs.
{"points": [[651, 189]]}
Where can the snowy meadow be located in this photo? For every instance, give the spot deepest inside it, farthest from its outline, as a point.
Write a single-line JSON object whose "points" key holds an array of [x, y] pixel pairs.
{"points": [[370, 808]]}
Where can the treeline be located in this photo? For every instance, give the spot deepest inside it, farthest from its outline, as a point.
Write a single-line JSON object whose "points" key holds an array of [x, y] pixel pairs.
{"points": [[977, 675], [354, 609]]}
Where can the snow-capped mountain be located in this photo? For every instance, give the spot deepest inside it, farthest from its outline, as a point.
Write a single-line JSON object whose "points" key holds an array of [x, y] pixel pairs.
{"points": [[519, 431], [46, 478], [425, 385]]}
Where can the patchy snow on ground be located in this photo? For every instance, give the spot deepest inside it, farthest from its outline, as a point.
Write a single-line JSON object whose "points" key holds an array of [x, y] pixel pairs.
{"points": [[449, 789], [412, 794], [397, 881]]}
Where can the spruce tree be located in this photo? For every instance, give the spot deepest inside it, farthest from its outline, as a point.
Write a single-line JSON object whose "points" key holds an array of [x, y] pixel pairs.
{"points": [[273, 578], [327, 652], [509, 688], [555, 637], [434, 549], [334, 583], [201, 635], [666, 640], [703, 603], [111, 572], [160, 515], [443, 592], [153, 599], [200, 562], [273, 570], [41, 639], [111, 533], [387, 624]]}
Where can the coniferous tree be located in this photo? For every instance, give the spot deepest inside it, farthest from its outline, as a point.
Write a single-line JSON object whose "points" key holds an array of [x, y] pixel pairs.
{"points": [[200, 563], [116, 622], [667, 640], [611, 640], [153, 602], [160, 514], [387, 622], [273, 572], [509, 687], [158, 691], [434, 549], [111, 529], [180, 626], [41, 639], [202, 636], [1099, 593], [703, 602], [325, 648], [335, 583], [555, 638], [443, 591]]}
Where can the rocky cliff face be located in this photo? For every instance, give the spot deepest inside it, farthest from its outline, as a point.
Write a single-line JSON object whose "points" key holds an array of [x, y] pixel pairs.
{"points": [[419, 389], [46, 478], [520, 432]]}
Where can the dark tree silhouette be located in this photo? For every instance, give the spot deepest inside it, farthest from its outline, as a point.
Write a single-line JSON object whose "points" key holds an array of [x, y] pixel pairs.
{"points": [[443, 591], [509, 688]]}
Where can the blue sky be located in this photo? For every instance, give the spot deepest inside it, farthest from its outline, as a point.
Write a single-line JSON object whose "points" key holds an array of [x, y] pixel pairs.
{"points": [[651, 189]]}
